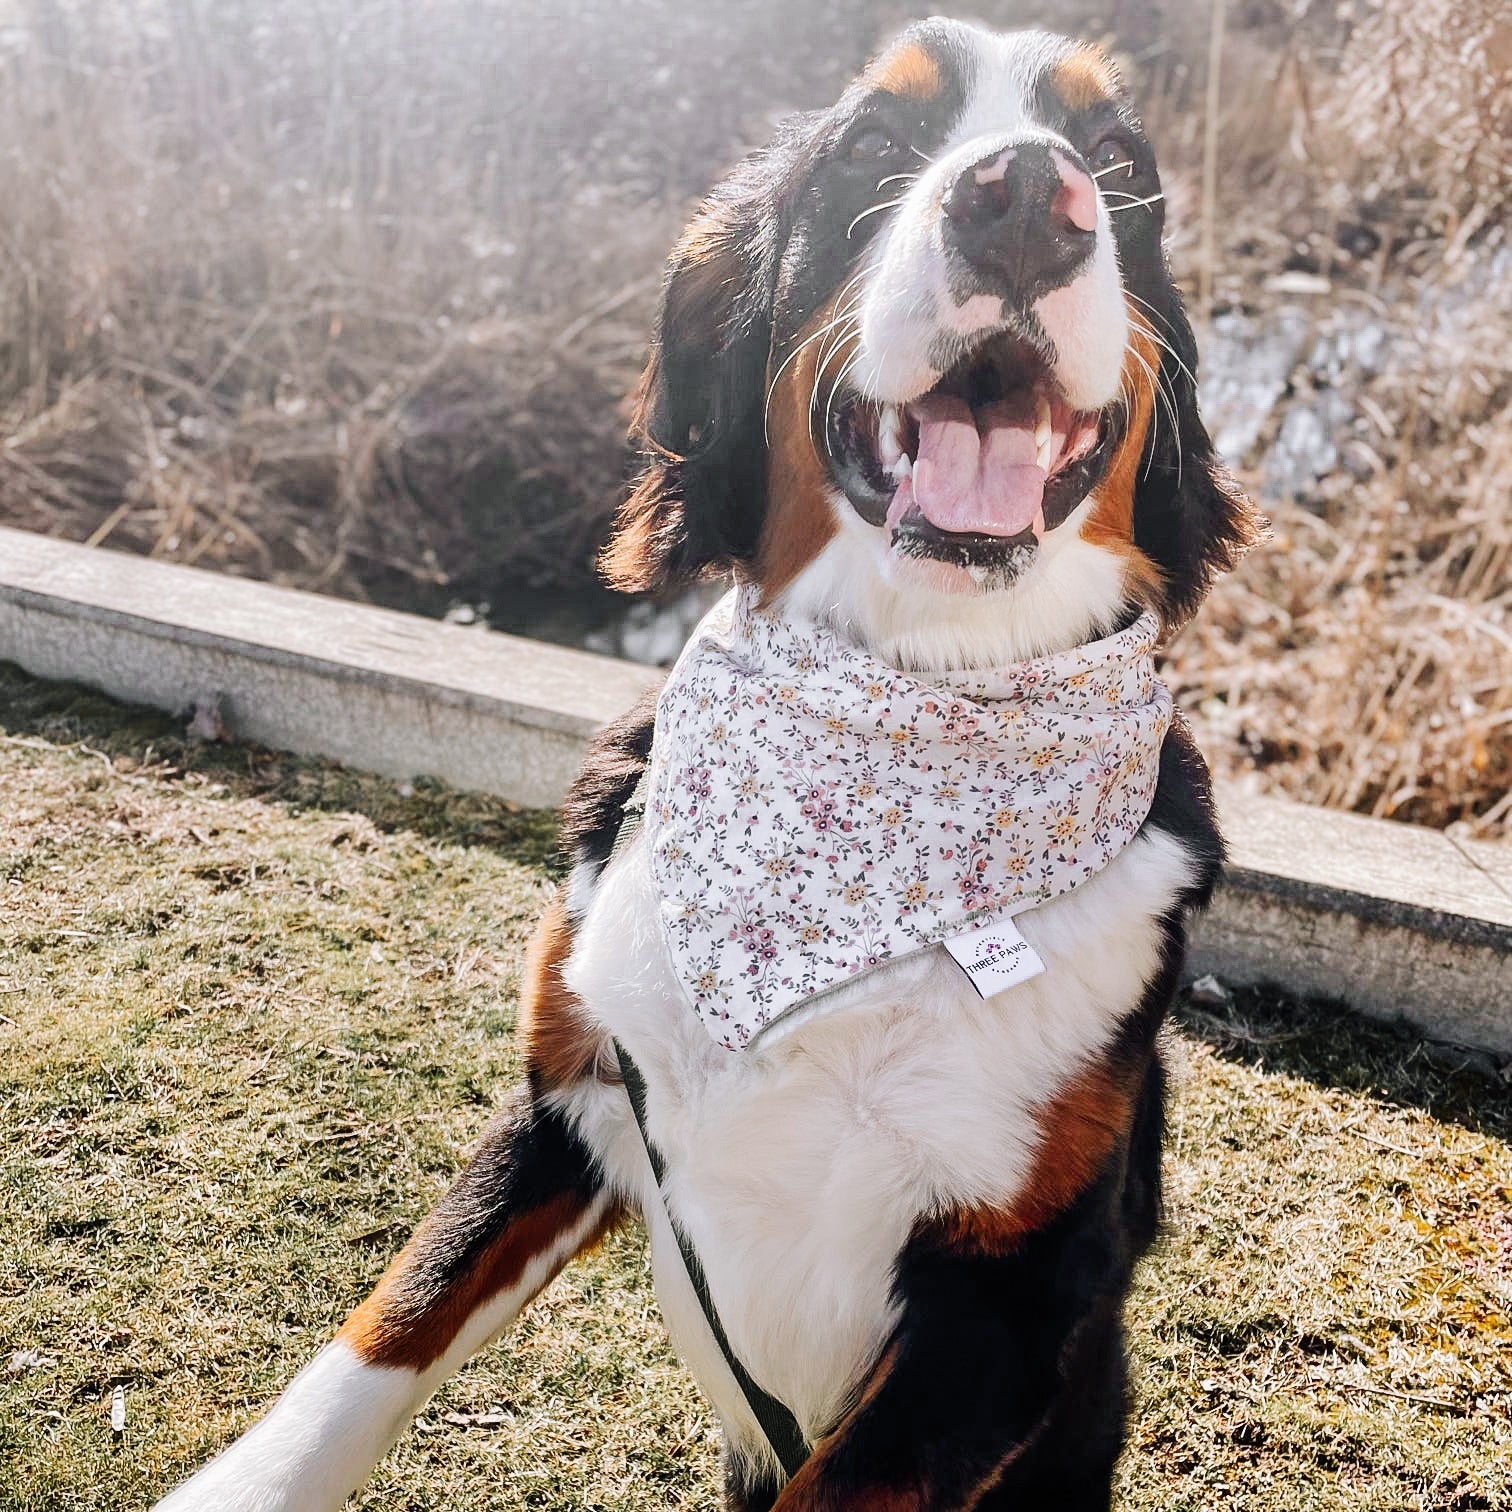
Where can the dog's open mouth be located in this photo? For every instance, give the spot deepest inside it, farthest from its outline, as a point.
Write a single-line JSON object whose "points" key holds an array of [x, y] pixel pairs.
{"points": [[975, 471]]}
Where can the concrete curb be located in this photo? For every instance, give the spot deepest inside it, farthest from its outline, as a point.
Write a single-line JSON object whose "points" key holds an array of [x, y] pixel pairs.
{"points": [[1396, 921], [392, 693]]}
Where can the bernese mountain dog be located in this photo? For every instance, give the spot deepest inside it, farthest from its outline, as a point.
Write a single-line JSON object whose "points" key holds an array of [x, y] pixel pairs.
{"points": [[920, 376]]}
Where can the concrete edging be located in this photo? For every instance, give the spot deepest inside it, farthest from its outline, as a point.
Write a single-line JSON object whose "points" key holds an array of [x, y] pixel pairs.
{"points": [[392, 693], [1394, 920]]}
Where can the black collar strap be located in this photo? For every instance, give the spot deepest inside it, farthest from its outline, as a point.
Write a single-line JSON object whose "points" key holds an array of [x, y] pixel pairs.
{"points": [[777, 1423]]}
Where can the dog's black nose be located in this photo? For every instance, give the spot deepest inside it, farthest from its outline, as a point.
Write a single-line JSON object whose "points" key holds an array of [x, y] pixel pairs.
{"points": [[1024, 217]]}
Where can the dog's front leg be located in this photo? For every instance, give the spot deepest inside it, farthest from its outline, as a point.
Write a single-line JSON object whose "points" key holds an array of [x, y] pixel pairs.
{"points": [[1003, 1386], [527, 1203]]}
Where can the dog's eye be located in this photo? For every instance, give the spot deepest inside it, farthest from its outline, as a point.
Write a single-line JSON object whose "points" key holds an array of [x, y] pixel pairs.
{"points": [[870, 145], [1113, 157]]}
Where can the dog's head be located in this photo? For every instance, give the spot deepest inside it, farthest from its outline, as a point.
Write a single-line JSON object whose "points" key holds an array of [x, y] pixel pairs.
{"points": [[921, 369]]}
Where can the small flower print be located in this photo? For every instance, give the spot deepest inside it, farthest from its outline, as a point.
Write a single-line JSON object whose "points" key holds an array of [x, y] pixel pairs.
{"points": [[813, 814]]}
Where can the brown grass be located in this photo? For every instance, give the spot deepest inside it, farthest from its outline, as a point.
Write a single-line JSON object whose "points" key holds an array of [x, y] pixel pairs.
{"points": [[347, 295]]}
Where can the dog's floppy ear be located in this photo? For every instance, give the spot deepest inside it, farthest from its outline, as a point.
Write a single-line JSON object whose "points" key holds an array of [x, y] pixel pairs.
{"points": [[698, 501], [1190, 515]]}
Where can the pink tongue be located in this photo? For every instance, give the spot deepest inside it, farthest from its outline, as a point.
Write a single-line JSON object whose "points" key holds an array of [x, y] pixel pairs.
{"points": [[985, 482]]}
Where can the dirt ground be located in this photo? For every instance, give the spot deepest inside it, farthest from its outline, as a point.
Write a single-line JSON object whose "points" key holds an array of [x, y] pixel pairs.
{"points": [[253, 1009]]}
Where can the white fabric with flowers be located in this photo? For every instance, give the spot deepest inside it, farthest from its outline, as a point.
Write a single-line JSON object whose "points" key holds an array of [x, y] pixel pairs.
{"points": [[812, 813]]}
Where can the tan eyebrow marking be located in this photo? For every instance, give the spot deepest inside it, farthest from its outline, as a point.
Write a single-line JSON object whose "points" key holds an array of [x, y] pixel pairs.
{"points": [[1085, 77], [911, 70]]}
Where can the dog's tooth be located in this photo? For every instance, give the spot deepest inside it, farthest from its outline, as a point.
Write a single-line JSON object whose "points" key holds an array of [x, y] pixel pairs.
{"points": [[1043, 441], [889, 439], [1044, 423]]}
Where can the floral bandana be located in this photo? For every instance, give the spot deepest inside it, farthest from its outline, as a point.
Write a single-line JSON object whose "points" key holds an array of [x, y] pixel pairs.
{"points": [[813, 813]]}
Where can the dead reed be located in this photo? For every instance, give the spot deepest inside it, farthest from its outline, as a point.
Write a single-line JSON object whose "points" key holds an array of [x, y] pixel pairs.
{"points": [[347, 294]]}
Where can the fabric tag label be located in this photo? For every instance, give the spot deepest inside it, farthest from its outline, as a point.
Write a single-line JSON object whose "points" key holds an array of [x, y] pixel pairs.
{"points": [[994, 956]]}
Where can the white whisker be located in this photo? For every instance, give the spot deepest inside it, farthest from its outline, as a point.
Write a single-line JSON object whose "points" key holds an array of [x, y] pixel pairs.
{"points": [[1154, 199], [1164, 345], [1150, 384], [1164, 348], [835, 346], [834, 389], [838, 346], [889, 205], [843, 312], [1157, 396]]}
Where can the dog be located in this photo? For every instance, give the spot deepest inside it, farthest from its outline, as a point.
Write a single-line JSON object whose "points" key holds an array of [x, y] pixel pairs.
{"points": [[920, 377]]}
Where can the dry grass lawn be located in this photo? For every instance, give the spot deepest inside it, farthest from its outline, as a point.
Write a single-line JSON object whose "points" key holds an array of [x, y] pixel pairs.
{"points": [[252, 1010]]}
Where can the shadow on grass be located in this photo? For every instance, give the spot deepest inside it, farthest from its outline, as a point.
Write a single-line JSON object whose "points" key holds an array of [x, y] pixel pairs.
{"points": [[1332, 1046], [65, 714]]}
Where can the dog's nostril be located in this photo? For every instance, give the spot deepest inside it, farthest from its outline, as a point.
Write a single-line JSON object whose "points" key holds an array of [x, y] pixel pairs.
{"points": [[973, 202]]}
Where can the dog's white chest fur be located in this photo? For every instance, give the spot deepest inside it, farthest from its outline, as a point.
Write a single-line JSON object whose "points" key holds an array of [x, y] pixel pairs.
{"points": [[799, 1168]]}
